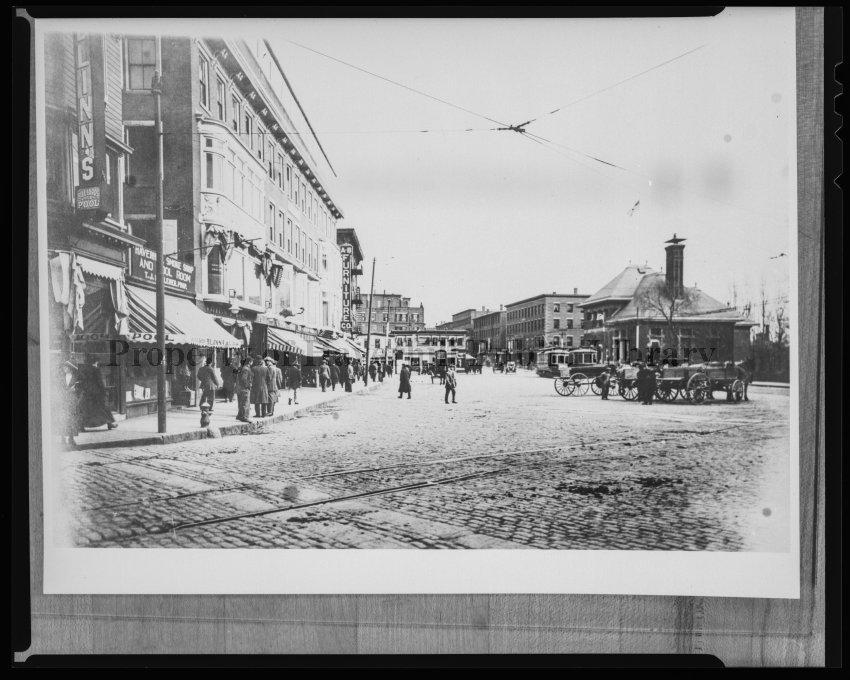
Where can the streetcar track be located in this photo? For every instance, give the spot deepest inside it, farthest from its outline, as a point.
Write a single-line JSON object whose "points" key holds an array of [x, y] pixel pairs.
{"points": [[402, 487]]}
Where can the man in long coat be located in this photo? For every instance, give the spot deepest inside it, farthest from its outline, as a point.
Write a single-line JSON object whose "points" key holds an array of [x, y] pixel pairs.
{"points": [[259, 387], [208, 382], [334, 370], [294, 379], [404, 382], [348, 376], [274, 382], [94, 411], [244, 382]]}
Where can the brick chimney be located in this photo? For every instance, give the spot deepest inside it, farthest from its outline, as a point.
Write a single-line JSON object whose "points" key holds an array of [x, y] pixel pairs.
{"points": [[675, 265]]}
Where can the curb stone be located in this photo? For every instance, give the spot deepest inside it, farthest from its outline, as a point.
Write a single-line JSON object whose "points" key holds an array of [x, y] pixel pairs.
{"points": [[224, 430]]}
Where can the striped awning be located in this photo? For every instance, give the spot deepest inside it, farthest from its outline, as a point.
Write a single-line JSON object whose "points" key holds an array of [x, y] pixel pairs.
{"points": [[100, 270], [185, 324], [286, 341]]}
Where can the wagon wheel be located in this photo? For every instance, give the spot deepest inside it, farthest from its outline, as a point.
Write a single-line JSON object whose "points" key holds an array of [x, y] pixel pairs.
{"points": [[564, 387], [595, 388], [628, 390], [666, 392], [697, 389], [581, 383], [737, 390]]}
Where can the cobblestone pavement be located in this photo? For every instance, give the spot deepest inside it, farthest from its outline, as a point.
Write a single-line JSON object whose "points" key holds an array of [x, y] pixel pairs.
{"points": [[511, 465]]}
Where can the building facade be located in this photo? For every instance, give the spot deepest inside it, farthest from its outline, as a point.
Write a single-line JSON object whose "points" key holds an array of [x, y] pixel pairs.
{"points": [[543, 321], [390, 312], [423, 348], [251, 256], [641, 313], [489, 337]]}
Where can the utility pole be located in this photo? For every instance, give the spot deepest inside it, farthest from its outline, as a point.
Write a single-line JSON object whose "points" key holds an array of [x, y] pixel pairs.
{"points": [[156, 90], [369, 331], [386, 327]]}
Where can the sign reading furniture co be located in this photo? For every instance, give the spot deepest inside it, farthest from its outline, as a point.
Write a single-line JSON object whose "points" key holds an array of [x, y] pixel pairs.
{"points": [[179, 276], [346, 251]]}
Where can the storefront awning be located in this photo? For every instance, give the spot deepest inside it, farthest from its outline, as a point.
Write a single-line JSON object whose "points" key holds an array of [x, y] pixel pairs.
{"points": [[286, 341], [100, 270], [185, 324], [358, 351]]}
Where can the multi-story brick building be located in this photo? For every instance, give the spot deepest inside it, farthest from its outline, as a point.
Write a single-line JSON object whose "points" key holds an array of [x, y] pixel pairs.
{"points": [[390, 312], [489, 336], [423, 347], [543, 321]]}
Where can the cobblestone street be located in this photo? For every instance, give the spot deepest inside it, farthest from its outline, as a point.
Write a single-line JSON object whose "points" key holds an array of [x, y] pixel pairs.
{"points": [[511, 465]]}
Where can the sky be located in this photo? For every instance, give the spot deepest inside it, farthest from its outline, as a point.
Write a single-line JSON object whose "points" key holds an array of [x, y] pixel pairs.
{"points": [[464, 219], [464, 216]]}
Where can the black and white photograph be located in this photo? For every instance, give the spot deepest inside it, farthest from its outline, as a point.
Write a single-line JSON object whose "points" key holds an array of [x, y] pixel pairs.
{"points": [[434, 305]]}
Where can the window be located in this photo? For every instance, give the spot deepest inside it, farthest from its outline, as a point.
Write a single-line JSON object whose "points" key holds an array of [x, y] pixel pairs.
{"points": [[297, 243], [557, 307], [570, 308], [270, 221], [289, 236], [289, 182], [569, 323], [279, 171], [557, 323], [303, 197], [214, 271], [141, 63], [204, 78], [569, 341], [235, 113], [248, 129], [220, 99]]}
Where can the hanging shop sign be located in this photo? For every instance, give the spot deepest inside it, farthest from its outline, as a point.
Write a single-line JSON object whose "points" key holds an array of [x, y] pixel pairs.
{"points": [[91, 144], [347, 253], [179, 276]]}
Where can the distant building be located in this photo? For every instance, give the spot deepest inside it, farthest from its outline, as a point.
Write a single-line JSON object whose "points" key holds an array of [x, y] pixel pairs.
{"points": [[463, 320], [390, 312], [543, 321], [489, 336], [423, 348], [641, 309]]}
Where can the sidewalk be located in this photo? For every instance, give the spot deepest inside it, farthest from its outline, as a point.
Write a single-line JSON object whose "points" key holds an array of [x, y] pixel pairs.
{"points": [[760, 383], [183, 424]]}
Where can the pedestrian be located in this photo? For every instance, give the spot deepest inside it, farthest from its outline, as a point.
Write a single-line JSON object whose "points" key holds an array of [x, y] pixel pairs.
{"points": [[208, 382], [244, 382], [334, 371], [94, 410], [380, 372], [69, 409], [603, 381], [228, 379], [274, 384], [404, 386], [443, 374], [259, 388], [390, 368], [450, 381], [646, 384], [348, 375], [294, 379], [324, 375]]}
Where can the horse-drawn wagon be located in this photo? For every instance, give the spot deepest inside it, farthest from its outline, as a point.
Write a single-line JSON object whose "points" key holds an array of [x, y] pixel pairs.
{"points": [[697, 383]]}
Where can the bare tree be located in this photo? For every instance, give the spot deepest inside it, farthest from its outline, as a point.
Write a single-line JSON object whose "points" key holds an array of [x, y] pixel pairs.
{"points": [[660, 298]]}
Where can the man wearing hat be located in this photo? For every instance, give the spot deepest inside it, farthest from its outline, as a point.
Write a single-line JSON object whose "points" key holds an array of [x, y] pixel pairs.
{"points": [[324, 375], [274, 380]]}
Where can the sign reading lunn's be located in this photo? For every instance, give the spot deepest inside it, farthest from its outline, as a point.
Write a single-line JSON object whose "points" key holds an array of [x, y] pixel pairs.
{"points": [[88, 195]]}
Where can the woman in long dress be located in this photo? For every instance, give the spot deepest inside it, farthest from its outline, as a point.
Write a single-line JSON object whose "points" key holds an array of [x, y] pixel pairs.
{"points": [[69, 408], [94, 411]]}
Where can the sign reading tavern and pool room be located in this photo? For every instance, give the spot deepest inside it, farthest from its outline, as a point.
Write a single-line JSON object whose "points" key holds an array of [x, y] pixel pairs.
{"points": [[179, 276]]}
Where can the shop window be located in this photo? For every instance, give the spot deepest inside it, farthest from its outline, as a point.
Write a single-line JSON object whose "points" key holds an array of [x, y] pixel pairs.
{"points": [[214, 271], [141, 63], [236, 275]]}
